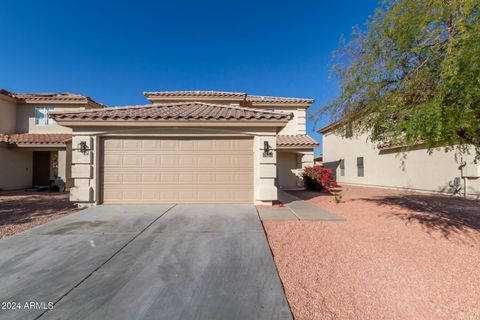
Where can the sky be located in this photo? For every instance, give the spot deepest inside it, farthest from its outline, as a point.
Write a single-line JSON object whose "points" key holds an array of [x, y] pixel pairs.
{"points": [[113, 51]]}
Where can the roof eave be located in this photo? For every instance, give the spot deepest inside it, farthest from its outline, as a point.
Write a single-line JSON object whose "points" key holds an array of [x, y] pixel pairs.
{"points": [[38, 145], [332, 126], [7, 98], [298, 147], [54, 100], [172, 123], [280, 104]]}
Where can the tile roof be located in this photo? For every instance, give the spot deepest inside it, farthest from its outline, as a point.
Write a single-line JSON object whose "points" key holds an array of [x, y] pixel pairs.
{"points": [[51, 97], [174, 111], [281, 100], [300, 140], [56, 97], [7, 93], [225, 94], [194, 94], [35, 138]]}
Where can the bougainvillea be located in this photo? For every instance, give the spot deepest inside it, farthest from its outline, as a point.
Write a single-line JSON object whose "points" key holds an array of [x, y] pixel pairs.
{"points": [[317, 178]]}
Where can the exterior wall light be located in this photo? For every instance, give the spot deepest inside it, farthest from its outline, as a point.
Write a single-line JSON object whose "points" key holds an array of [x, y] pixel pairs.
{"points": [[267, 149]]}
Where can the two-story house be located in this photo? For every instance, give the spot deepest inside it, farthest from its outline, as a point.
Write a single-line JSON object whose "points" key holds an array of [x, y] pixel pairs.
{"points": [[34, 150], [188, 147], [356, 160]]}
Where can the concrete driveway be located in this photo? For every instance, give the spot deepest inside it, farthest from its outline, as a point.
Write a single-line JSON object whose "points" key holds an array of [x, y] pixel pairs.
{"points": [[143, 262]]}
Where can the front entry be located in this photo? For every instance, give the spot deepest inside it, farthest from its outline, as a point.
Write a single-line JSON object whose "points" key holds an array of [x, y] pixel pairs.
{"points": [[41, 168]]}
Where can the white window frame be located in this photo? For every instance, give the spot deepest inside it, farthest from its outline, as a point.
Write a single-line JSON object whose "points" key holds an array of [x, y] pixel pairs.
{"points": [[41, 116], [360, 166]]}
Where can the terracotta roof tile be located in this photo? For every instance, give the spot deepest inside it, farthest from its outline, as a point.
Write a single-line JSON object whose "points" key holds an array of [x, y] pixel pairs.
{"points": [[55, 95], [194, 94], [301, 140], [174, 111], [7, 93], [281, 100], [58, 97], [224, 94], [34, 138]]}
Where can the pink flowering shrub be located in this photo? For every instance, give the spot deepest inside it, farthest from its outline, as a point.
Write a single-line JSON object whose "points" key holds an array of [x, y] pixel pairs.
{"points": [[317, 178]]}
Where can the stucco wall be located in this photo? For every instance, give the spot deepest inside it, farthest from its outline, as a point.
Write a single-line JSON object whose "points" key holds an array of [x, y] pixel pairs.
{"points": [[8, 114], [296, 125], [26, 118], [65, 166], [86, 168], [415, 169], [287, 164], [15, 169]]}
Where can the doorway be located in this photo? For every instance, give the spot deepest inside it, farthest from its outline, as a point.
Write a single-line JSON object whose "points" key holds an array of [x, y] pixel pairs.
{"points": [[41, 168]]}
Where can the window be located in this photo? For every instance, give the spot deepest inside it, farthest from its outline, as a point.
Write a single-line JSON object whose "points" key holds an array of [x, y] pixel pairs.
{"points": [[342, 167], [41, 116], [360, 170]]}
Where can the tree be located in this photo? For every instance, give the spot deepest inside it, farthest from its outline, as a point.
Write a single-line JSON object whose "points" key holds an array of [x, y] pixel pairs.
{"points": [[413, 74]]}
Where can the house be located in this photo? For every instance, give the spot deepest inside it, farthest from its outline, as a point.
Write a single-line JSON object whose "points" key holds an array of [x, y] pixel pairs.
{"points": [[354, 159], [186, 147], [34, 150]]}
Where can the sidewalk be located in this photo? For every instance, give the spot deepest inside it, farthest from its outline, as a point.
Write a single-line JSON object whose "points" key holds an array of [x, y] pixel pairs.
{"points": [[296, 209]]}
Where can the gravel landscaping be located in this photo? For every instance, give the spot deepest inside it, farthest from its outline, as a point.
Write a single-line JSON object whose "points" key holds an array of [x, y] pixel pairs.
{"points": [[398, 255], [21, 210]]}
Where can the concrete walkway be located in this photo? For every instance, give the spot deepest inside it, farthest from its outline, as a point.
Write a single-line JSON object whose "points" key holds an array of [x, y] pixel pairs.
{"points": [[144, 262], [296, 209]]}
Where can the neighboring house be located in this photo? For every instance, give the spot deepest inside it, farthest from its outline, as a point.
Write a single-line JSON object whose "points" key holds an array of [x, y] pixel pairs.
{"points": [[318, 160], [184, 147], [356, 160], [34, 150]]}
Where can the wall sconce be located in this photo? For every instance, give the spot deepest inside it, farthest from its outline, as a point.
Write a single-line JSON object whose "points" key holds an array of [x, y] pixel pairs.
{"points": [[82, 146], [267, 149]]}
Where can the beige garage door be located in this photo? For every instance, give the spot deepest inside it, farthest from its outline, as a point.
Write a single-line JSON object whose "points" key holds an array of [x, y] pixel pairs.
{"points": [[200, 170]]}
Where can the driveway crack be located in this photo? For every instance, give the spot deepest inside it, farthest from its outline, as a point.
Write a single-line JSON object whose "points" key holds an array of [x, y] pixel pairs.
{"points": [[105, 262]]}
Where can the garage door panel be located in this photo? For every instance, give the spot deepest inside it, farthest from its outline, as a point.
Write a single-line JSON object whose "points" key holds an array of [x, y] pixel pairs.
{"points": [[113, 144], [182, 196], [131, 161], [201, 170]]}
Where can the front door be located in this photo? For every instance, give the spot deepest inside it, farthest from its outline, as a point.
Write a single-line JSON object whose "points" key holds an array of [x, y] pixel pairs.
{"points": [[41, 168]]}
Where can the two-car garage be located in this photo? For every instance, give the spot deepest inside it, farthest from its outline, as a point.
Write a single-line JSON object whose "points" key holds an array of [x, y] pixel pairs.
{"points": [[176, 170], [174, 152]]}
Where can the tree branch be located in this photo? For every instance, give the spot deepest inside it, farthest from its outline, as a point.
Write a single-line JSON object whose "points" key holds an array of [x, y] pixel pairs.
{"points": [[462, 133]]}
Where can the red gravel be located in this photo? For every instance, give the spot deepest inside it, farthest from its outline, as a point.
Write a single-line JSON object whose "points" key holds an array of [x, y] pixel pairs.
{"points": [[397, 256], [21, 210]]}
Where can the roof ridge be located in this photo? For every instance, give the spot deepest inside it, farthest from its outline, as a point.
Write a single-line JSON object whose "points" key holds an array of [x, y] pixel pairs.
{"points": [[276, 97], [194, 91]]}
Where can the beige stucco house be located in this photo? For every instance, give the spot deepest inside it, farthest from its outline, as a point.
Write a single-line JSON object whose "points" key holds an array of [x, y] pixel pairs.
{"points": [[182, 147], [34, 150], [354, 159]]}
